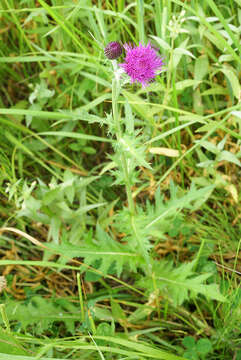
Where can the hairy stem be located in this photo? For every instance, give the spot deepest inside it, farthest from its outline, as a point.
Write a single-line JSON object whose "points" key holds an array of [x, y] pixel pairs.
{"points": [[115, 94], [131, 205]]}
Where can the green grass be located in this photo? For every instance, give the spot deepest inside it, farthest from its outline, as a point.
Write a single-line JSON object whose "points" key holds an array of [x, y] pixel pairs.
{"points": [[111, 248]]}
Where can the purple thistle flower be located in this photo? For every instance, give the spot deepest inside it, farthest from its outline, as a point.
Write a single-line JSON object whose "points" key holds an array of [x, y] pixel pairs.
{"points": [[141, 63], [113, 50]]}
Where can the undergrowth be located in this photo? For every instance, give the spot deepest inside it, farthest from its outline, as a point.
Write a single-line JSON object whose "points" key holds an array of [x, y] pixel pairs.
{"points": [[120, 204]]}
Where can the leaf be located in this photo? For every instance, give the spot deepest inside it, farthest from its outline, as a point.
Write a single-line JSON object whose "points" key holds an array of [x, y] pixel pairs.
{"points": [[233, 80], [84, 209], [206, 164], [201, 68], [181, 85], [142, 312], [225, 58], [219, 43], [176, 203], [163, 44], [103, 250], [204, 346], [182, 51], [221, 144], [104, 329], [75, 135], [102, 314], [197, 102], [142, 349], [139, 105], [60, 205], [208, 127], [178, 52], [228, 156], [131, 148], [215, 90], [181, 283], [42, 313], [117, 312], [188, 342], [55, 224], [51, 195], [209, 146], [194, 119], [10, 345], [69, 190], [96, 79], [41, 92]]}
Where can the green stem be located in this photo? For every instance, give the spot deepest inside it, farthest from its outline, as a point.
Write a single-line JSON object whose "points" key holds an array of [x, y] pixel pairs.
{"points": [[131, 205], [115, 94]]}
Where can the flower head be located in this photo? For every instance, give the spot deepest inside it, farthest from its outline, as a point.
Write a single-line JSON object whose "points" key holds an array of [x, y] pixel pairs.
{"points": [[113, 50], [141, 63]]}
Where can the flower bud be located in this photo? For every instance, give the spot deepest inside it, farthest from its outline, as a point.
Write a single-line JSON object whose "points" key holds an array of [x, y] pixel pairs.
{"points": [[113, 50]]}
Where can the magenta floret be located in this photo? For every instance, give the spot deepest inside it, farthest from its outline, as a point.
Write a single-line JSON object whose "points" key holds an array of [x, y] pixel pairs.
{"points": [[141, 63]]}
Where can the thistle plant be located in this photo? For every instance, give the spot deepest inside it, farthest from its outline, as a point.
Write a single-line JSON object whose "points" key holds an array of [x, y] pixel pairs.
{"points": [[141, 64], [142, 224]]}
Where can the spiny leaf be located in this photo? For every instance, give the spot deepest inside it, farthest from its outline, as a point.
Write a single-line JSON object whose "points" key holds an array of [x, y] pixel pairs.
{"points": [[41, 313], [102, 252], [181, 283]]}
